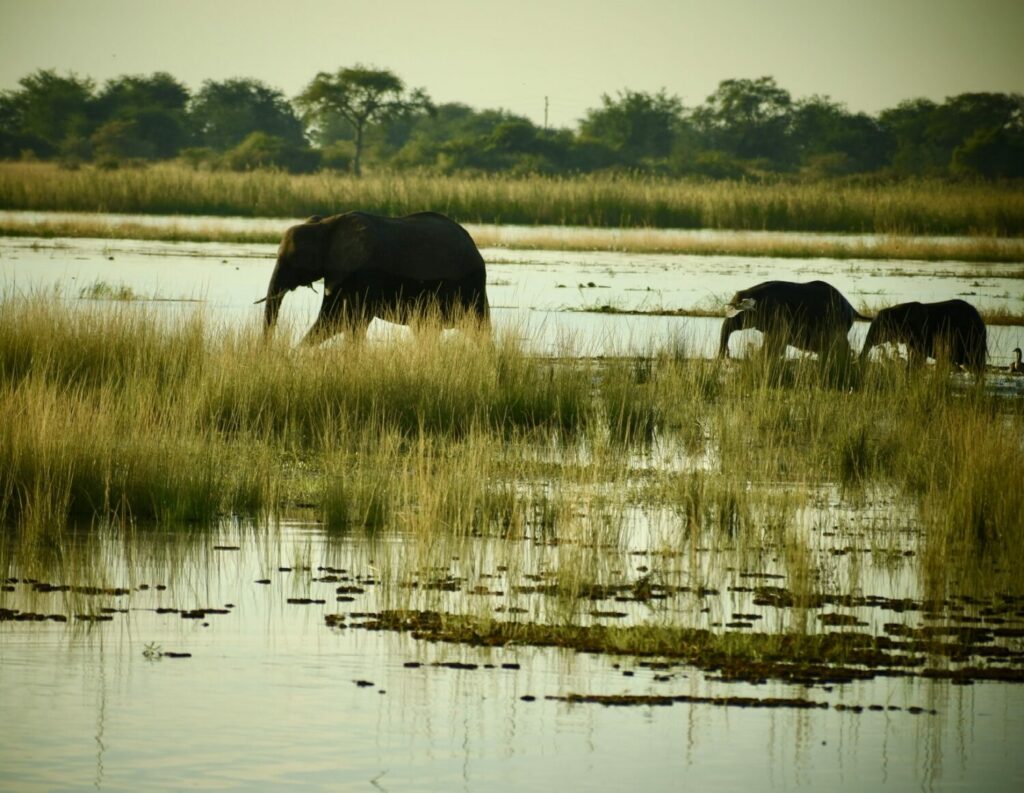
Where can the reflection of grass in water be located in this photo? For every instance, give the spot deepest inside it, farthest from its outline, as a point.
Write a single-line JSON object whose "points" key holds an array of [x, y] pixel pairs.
{"points": [[117, 414]]}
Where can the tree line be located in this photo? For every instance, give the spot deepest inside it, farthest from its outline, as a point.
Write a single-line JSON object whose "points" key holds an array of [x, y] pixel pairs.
{"points": [[365, 117]]}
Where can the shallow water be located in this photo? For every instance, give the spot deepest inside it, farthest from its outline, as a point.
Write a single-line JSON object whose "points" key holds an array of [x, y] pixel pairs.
{"points": [[543, 295], [271, 697]]}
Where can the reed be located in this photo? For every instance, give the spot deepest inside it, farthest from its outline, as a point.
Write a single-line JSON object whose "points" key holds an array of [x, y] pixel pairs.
{"points": [[921, 207], [979, 249], [115, 412]]}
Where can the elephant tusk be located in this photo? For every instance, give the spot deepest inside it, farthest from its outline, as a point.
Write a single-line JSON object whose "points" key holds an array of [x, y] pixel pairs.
{"points": [[276, 295]]}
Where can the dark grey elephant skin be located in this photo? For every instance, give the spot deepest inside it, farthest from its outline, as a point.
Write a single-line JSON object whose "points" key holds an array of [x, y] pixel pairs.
{"points": [[375, 266], [813, 316], [951, 330]]}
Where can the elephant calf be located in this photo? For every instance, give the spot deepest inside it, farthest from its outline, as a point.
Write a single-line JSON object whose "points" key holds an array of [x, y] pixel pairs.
{"points": [[812, 316], [383, 267], [950, 330]]}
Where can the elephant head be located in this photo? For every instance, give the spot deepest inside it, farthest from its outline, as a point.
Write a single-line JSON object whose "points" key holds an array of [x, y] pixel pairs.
{"points": [[378, 266], [300, 262], [894, 325]]}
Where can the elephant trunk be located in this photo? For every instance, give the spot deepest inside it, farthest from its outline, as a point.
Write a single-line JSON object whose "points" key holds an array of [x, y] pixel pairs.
{"points": [[270, 311], [275, 294], [729, 325]]}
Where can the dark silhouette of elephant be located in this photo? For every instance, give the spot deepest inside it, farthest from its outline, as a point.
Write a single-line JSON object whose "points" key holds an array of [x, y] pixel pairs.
{"points": [[384, 267], [812, 316], [951, 330]]}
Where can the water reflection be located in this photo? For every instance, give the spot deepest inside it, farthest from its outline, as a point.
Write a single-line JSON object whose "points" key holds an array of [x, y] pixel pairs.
{"points": [[203, 653], [271, 697]]}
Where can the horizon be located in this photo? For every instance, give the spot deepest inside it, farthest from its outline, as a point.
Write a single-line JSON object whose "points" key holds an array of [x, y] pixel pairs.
{"points": [[557, 57]]}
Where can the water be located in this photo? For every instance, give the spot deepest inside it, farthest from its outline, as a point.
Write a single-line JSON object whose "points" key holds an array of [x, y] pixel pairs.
{"points": [[273, 698], [542, 294]]}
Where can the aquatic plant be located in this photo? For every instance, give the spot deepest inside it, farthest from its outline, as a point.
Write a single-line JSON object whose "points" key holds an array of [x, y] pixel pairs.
{"points": [[119, 413]]}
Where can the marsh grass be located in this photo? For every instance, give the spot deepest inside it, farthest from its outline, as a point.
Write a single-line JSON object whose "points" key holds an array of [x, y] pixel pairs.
{"points": [[116, 412], [980, 249], [929, 208]]}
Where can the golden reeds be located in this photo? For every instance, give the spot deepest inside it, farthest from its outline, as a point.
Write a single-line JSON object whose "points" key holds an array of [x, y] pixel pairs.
{"points": [[619, 201], [113, 411]]}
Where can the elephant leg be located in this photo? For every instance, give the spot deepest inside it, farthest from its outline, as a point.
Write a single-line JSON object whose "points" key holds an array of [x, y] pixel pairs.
{"points": [[915, 356], [339, 313], [424, 318], [774, 345], [837, 346]]}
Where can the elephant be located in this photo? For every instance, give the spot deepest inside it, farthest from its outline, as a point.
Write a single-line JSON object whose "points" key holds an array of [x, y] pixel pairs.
{"points": [[951, 329], [374, 266], [811, 316]]}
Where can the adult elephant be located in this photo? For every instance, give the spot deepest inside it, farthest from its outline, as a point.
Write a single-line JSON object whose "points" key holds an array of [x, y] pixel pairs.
{"points": [[951, 329], [811, 316], [375, 266]]}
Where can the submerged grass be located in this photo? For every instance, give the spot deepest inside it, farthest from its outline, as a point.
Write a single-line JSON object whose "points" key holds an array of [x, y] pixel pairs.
{"points": [[115, 411]]}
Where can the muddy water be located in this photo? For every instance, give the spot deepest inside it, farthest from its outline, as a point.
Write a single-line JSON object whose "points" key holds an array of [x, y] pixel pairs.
{"points": [[212, 664]]}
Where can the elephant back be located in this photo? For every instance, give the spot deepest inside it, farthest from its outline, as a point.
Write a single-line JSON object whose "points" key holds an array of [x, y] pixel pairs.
{"points": [[425, 246]]}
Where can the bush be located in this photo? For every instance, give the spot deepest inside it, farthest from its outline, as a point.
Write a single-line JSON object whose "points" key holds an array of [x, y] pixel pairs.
{"points": [[339, 155], [260, 150]]}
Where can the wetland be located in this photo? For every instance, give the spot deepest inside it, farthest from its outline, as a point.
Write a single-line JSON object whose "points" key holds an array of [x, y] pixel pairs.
{"points": [[584, 552]]}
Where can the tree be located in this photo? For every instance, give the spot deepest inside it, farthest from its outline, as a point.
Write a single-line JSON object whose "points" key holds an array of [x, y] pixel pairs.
{"points": [[142, 117], [749, 119], [914, 151], [13, 139], [638, 125], [260, 150], [225, 113], [968, 133], [992, 153], [827, 138], [50, 112], [961, 117], [362, 96]]}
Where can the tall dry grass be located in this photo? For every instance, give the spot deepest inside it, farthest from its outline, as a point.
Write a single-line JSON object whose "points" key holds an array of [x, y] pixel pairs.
{"points": [[121, 412], [919, 207]]}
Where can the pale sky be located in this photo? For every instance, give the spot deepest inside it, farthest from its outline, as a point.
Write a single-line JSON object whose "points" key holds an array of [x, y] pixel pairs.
{"points": [[869, 54]]}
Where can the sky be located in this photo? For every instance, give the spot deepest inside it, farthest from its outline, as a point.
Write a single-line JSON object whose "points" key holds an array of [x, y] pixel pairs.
{"points": [[525, 55]]}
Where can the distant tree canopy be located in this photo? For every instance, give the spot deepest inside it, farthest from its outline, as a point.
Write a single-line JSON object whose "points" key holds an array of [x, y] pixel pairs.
{"points": [[366, 117], [361, 96]]}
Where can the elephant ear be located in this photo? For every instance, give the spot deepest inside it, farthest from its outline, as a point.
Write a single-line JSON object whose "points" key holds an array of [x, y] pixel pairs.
{"points": [[735, 308], [348, 249]]}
